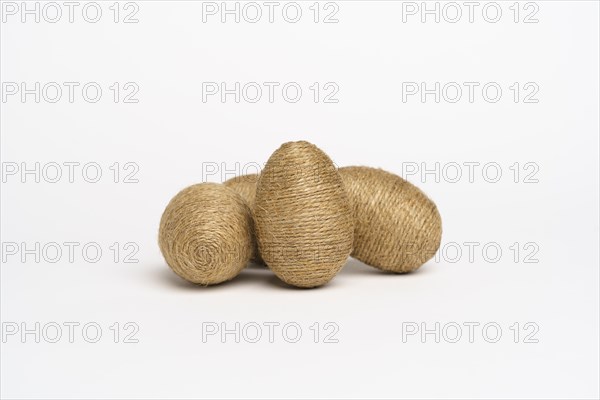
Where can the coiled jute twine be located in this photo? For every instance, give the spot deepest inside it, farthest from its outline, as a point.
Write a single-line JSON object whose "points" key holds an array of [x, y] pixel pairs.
{"points": [[206, 234], [245, 186], [397, 227], [303, 220]]}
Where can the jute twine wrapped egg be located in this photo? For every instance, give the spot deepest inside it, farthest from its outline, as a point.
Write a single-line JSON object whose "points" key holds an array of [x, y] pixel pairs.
{"points": [[304, 223], [205, 234], [396, 226], [245, 186]]}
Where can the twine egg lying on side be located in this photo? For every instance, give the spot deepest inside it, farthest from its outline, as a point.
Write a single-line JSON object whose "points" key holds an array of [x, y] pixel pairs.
{"points": [[303, 220], [245, 186], [205, 234], [396, 226]]}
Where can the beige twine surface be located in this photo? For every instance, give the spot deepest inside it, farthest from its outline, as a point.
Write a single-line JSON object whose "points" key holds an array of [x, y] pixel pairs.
{"points": [[397, 227], [205, 234], [303, 220], [245, 186]]}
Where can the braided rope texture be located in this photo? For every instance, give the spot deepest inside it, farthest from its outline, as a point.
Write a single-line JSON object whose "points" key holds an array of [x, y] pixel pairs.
{"points": [[205, 234], [303, 219], [397, 227], [245, 186]]}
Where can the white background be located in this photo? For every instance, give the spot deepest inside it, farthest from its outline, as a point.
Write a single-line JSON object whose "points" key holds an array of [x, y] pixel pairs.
{"points": [[175, 138]]}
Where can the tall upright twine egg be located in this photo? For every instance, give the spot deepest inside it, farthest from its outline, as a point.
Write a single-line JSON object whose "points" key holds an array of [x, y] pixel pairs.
{"points": [[304, 225], [397, 227], [205, 234]]}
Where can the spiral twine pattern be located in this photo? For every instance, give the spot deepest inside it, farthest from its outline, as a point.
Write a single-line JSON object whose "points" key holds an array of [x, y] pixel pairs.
{"points": [[206, 234]]}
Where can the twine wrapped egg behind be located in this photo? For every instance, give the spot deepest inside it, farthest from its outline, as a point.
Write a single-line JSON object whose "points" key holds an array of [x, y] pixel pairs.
{"points": [[304, 224], [205, 234], [397, 227], [245, 186]]}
